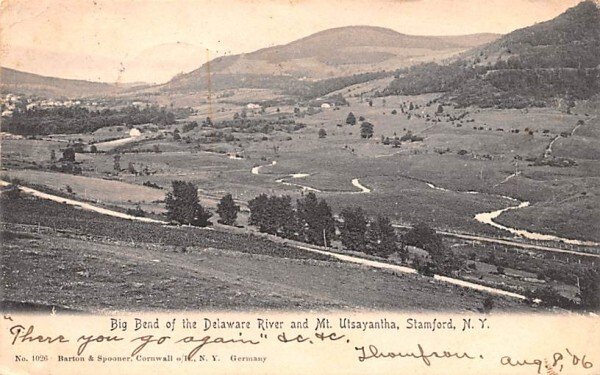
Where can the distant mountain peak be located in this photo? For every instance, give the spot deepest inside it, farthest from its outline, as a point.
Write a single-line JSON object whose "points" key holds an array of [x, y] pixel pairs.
{"points": [[336, 52]]}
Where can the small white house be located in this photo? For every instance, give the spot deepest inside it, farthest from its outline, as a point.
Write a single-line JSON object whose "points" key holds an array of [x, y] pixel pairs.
{"points": [[135, 132], [325, 106], [253, 106]]}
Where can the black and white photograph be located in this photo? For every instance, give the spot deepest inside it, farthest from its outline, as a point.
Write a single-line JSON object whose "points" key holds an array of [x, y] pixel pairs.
{"points": [[390, 155]]}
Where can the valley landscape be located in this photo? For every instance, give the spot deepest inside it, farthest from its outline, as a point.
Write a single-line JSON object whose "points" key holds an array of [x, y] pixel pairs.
{"points": [[357, 168]]}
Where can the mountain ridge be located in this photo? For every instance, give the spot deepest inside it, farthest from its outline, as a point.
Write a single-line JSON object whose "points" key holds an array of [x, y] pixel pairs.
{"points": [[17, 81], [337, 52], [538, 65]]}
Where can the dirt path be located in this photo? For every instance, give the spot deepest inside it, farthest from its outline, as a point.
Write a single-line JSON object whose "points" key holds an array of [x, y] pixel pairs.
{"points": [[548, 151], [83, 205], [402, 269]]}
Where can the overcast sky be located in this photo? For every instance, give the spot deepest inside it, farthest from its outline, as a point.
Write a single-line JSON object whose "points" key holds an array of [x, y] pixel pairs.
{"points": [[135, 40]]}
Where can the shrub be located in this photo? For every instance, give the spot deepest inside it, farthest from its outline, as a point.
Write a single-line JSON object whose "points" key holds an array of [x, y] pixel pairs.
{"points": [[488, 304], [137, 211]]}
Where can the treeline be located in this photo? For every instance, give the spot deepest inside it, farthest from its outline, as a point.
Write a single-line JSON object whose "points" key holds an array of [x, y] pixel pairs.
{"points": [[311, 220], [310, 90], [290, 85], [68, 120], [259, 125]]}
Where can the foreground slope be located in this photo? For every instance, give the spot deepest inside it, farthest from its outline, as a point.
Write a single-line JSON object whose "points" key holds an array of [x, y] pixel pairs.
{"points": [[53, 255]]}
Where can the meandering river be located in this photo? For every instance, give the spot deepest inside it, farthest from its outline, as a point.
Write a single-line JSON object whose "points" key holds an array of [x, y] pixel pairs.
{"points": [[488, 218]]}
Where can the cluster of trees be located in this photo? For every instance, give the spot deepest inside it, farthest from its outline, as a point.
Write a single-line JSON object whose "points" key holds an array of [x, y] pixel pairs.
{"points": [[311, 220], [441, 259], [366, 128], [316, 89], [183, 206], [260, 125], [68, 120]]}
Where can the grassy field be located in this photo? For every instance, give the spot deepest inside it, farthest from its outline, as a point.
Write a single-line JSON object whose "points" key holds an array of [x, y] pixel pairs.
{"points": [[101, 191]]}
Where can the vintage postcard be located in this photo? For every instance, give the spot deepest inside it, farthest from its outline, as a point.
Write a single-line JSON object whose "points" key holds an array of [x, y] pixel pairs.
{"points": [[300, 186]]}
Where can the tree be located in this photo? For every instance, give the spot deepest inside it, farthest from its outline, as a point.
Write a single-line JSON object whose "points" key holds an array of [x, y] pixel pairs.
{"points": [[421, 235], [176, 135], [353, 228], [274, 215], [117, 163], [52, 156], [315, 220], [258, 211], [443, 259], [236, 116], [131, 168], [351, 120], [68, 155], [440, 109], [381, 237], [282, 218], [183, 205], [208, 122], [322, 133], [93, 149], [227, 210], [366, 130]]}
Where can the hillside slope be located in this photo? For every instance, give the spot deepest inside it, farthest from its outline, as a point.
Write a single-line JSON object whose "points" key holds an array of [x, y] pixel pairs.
{"points": [[545, 63], [15, 81]]}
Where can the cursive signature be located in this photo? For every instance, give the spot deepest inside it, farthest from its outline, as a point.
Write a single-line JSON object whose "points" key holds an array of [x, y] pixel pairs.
{"points": [[372, 352]]}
